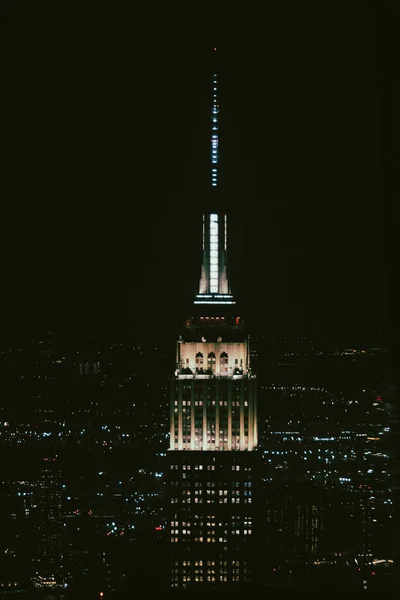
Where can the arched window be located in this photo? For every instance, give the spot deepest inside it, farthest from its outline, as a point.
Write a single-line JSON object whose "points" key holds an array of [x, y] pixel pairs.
{"points": [[223, 363], [199, 361], [211, 361]]}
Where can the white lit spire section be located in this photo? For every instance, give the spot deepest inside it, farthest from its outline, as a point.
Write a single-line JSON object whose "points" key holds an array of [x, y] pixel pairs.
{"points": [[214, 253], [226, 232], [214, 134]]}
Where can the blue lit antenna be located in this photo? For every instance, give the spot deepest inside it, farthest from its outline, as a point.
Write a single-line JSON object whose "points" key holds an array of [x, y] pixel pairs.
{"points": [[214, 285], [214, 132]]}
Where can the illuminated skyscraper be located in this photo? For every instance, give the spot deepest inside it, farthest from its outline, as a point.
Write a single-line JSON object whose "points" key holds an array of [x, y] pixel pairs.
{"points": [[213, 421]]}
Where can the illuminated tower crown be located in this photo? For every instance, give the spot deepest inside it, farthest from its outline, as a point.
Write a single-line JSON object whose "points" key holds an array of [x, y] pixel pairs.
{"points": [[213, 375]]}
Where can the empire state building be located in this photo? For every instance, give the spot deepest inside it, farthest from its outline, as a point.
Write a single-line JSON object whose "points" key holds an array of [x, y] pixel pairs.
{"points": [[212, 479]]}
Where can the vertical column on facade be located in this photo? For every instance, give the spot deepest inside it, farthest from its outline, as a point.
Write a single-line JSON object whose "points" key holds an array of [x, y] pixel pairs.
{"points": [[250, 418], [230, 414], [192, 446], [241, 414], [206, 384], [255, 409], [172, 420], [180, 440], [217, 441]]}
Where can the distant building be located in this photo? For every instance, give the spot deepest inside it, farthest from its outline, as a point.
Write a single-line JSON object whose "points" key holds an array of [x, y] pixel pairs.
{"points": [[49, 572], [308, 529], [89, 368]]}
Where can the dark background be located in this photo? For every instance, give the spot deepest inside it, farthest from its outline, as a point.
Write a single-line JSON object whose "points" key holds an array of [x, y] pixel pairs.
{"points": [[105, 168]]}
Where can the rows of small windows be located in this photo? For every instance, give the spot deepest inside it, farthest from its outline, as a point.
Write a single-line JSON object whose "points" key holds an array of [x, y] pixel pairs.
{"points": [[213, 484], [198, 521], [194, 491], [198, 571], [234, 493], [212, 533], [236, 385], [210, 564], [200, 579], [201, 500], [223, 403], [235, 485], [211, 467], [210, 578], [222, 440]]}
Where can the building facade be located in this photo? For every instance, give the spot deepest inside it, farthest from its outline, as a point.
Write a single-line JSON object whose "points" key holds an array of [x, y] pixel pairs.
{"points": [[49, 572], [212, 479]]}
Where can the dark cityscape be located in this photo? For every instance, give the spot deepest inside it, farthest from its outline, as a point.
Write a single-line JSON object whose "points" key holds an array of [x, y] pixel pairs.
{"points": [[199, 342]]}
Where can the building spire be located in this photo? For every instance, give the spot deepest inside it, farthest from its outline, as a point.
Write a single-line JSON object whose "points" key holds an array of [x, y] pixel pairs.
{"points": [[214, 286], [214, 128]]}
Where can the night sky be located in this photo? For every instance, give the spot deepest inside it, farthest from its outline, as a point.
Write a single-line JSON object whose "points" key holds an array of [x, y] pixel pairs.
{"points": [[105, 134]]}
